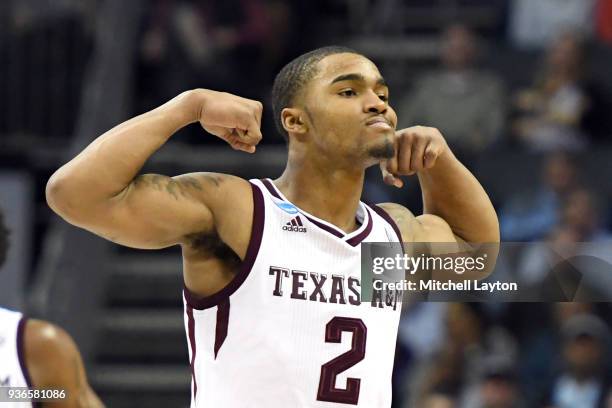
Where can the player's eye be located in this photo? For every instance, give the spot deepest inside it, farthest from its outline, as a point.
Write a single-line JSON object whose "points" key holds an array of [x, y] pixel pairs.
{"points": [[383, 97], [347, 93]]}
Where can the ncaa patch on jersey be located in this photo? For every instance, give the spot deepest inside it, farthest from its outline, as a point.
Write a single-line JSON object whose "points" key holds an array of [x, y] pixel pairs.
{"points": [[287, 207]]}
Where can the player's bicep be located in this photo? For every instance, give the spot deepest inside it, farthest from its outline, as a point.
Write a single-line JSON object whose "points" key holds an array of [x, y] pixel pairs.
{"points": [[157, 211], [407, 223]]}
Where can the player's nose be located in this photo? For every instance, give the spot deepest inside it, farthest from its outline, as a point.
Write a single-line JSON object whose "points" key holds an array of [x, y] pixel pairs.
{"points": [[374, 104]]}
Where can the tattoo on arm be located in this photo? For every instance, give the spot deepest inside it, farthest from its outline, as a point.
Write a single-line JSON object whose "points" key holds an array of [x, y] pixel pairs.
{"points": [[174, 187], [211, 178]]}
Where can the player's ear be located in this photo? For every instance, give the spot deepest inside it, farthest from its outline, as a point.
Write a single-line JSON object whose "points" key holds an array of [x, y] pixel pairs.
{"points": [[293, 121]]}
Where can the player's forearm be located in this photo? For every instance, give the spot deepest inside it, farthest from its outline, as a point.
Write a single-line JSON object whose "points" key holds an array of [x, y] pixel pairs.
{"points": [[109, 164], [453, 193]]}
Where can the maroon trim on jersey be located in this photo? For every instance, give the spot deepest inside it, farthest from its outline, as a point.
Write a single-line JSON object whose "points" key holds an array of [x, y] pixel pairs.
{"points": [[223, 311], [366, 231], [334, 231], [201, 303], [21, 350], [192, 345], [380, 211], [272, 189], [268, 184], [327, 228]]}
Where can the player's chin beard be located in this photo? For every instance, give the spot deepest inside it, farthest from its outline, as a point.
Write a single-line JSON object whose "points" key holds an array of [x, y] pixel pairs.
{"points": [[382, 151]]}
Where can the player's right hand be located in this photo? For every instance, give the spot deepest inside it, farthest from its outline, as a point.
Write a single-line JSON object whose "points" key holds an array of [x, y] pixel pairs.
{"points": [[232, 118]]}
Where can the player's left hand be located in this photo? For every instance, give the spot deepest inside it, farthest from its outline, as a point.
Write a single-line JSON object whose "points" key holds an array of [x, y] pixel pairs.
{"points": [[417, 148]]}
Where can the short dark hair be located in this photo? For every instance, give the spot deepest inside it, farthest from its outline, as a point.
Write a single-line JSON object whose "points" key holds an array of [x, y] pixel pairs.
{"points": [[4, 242], [294, 76]]}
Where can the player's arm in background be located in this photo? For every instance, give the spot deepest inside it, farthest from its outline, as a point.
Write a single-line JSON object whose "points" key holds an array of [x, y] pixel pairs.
{"points": [[54, 362], [101, 189], [456, 207]]}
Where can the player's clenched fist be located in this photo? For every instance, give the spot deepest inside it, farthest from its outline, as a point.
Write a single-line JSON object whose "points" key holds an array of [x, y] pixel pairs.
{"points": [[232, 118], [416, 148]]}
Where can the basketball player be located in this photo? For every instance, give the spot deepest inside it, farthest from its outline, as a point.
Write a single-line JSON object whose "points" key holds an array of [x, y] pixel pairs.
{"points": [[38, 354], [272, 267]]}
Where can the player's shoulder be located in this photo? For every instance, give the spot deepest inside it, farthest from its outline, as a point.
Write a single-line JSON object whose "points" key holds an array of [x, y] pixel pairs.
{"points": [[422, 228], [218, 190], [400, 214], [231, 200], [46, 341], [403, 218], [50, 353]]}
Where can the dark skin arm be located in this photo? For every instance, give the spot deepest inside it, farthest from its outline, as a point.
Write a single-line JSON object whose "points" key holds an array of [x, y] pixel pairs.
{"points": [[458, 214], [456, 207], [101, 189], [54, 362]]}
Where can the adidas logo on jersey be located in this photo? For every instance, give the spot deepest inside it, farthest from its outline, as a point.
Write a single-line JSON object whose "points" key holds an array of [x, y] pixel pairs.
{"points": [[295, 225]]}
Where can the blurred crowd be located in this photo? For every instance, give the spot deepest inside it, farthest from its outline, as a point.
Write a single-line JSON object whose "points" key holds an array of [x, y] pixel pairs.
{"points": [[461, 355], [485, 355]]}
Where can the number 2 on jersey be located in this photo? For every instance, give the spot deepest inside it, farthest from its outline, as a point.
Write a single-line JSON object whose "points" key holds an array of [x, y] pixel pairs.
{"points": [[331, 369]]}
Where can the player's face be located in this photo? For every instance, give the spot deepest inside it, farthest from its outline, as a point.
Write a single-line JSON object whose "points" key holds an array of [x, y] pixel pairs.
{"points": [[346, 104]]}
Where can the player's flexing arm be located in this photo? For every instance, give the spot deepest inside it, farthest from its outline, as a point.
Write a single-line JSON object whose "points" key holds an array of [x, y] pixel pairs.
{"points": [[456, 207], [101, 189], [54, 362]]}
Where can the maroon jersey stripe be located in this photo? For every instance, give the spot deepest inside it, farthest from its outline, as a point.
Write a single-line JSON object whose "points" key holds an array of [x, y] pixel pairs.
{"points": [[325, 227], [390, 220], [192, 343], [366, 231], [200, 303], [270, 188], [223, 311]]}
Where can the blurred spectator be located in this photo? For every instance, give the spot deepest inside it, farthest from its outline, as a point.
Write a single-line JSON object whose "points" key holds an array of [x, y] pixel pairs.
{"points": [[447, 368], [421, 335], [235, 46], [550, 114], [497, 387], [604, 21], [585, 380], [531, 216], [466, 103], [582, 216], [580, 222], [538, 362], [459, 363], [536, 24], [439, 399]]}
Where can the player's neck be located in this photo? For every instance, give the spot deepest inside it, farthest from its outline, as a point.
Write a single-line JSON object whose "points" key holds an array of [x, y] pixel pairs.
{"points": [[331, 194]]}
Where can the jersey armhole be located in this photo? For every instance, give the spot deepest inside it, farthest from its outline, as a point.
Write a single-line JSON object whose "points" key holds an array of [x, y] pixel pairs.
{"points": [[385, 215], [201, 303]]}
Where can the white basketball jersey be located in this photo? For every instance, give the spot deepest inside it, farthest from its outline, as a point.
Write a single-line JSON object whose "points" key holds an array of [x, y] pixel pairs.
{"points": [[13, 370], [290, 330]]}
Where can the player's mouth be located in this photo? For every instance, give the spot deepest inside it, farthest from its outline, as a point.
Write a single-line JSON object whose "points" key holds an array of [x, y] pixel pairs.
{"points": [[379, 122]]}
